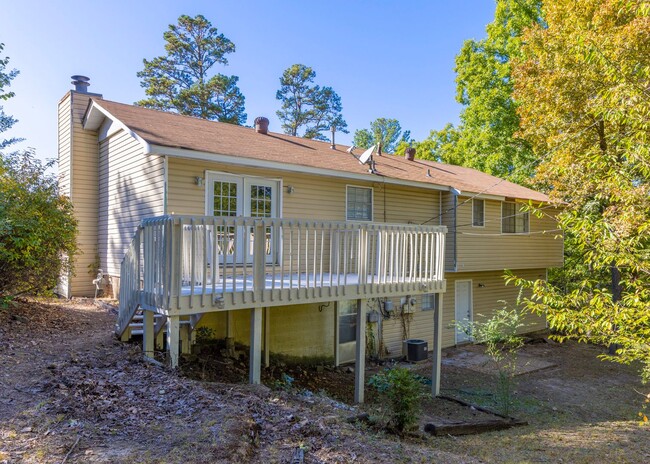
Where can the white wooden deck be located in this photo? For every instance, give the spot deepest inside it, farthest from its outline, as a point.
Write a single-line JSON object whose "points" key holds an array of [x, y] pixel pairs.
{"points": [[192, 265], [181, 266]]}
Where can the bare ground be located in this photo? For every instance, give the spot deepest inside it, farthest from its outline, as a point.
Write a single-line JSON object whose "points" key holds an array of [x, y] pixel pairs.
{"points": [[70, 392]]}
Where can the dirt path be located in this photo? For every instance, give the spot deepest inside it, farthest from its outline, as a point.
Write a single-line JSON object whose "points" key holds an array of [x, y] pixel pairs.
{"points": [[70, 392]]}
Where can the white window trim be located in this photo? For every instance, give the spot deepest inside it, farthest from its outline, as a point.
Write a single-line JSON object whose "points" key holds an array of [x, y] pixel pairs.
{"points": [[372, 203], [482, 226], [514, 233], [213, 175]]}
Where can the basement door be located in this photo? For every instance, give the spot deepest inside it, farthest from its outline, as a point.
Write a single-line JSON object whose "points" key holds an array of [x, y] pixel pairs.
{"points": [[229, 195], [346, 325], [463, 308]]}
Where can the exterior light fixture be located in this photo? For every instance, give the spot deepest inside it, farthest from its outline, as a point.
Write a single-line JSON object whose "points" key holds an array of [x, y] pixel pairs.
{"points": [[198, 180]]}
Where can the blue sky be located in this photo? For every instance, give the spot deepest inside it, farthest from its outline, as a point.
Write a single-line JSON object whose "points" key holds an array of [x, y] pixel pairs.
{"points": [[384, 58]]}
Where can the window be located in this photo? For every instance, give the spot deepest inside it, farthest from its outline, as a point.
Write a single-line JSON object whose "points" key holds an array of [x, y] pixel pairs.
{"points": [[429, 301], [478, 213], [347, 321], [513, 220], [359, 204]]}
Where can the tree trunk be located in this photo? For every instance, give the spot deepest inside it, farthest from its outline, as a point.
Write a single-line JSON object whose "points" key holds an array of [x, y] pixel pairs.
{"points": [[617, 292]]}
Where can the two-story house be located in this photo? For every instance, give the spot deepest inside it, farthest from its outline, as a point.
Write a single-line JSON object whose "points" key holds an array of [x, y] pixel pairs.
{"points": [[286, 244]]}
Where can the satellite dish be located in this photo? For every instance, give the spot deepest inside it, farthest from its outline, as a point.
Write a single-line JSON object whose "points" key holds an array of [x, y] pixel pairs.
{"points": [[363, 159]]}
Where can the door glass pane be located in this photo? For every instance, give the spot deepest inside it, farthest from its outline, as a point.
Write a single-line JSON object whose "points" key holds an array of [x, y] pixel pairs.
{"points": [[225, 199], [261, 202], [347, 321], [225, 204]]}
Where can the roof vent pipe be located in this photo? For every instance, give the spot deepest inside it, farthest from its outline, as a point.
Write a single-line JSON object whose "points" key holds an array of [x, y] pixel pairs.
{"points": [[261, 125], [81, 83], [410, 153]]}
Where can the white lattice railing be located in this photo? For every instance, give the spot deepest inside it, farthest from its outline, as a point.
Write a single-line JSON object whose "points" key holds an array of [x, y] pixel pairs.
{"points": [[188, 261]]}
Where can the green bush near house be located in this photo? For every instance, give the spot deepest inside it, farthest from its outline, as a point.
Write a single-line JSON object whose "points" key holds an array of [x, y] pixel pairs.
{"points": [[37, 227], [499, 335], [402, 391]]}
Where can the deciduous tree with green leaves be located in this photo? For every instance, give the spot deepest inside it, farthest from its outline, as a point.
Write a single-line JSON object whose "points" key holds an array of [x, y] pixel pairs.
{"points": [[37, 227], [6, 76], [307, 105], [581, 85], [486, 138], [386, 131], [181, 80]]}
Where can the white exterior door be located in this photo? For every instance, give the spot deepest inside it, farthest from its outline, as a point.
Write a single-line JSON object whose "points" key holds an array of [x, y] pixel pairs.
{"points": [[346, 325], [229, 195], [463, 308]]}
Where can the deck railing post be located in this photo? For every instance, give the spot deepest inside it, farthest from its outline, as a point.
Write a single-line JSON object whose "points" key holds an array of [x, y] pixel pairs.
{"points": [[363, 256], [259, 261], [176, 228]]}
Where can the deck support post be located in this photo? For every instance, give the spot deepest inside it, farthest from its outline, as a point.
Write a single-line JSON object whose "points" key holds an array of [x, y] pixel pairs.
{"points": [[436, 354], [173, 338], [267, 336], [360, 360], [337, 357], [148, 334], [255, 346]]}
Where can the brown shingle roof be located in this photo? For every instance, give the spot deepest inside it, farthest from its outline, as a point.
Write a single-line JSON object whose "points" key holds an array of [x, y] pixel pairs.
{"points": [[185, 132]]}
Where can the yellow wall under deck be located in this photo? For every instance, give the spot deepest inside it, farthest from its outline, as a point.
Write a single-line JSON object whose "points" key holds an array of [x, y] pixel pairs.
{"points": [[297, 330], [305, 331]]}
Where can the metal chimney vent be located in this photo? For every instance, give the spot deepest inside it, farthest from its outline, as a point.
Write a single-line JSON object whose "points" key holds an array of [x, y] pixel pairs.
{"points": [[81, 83], [261, 125]]}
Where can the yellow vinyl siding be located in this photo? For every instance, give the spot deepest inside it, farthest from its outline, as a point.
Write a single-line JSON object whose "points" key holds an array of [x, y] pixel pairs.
{"points": [[487, 299], [64, 174], [80, 153], [130, 189], [447, 219], [64, 145], [486, 248], [297, 330], [314, 197], [418, 325]]}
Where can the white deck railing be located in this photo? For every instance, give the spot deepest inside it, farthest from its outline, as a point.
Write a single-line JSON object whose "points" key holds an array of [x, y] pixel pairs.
{"points": [[193, 263]]}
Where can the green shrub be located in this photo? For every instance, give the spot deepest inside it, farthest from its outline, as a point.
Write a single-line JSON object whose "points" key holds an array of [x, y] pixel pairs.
{"points": [[402, 391], [499, 335], [37, 227]]}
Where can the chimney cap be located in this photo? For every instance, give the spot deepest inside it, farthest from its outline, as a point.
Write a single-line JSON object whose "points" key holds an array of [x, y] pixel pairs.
{"points": [[81, 83], [410, 153], [261, 125]]}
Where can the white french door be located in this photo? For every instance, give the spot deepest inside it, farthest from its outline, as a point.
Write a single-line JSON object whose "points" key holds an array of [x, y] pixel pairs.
{"points": [[229, 195]]}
